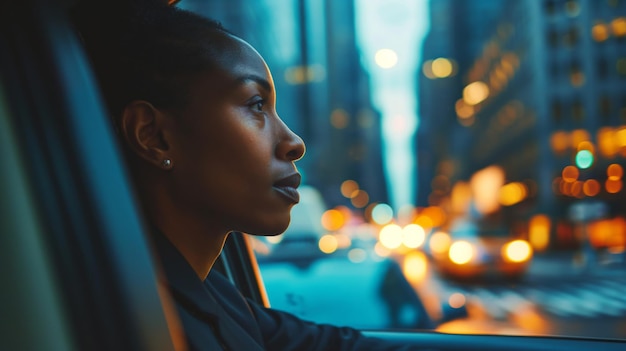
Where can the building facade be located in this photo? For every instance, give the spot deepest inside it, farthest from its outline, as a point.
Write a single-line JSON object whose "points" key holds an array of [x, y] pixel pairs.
{"points": [[540, 93]]}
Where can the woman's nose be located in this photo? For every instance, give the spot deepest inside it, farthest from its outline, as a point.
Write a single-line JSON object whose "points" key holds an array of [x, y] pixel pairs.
{"points": [[291, 146]]}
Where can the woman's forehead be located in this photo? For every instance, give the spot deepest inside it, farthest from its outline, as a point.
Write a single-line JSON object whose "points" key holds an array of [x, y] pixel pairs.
{"points": [[240, 61], [234, 65], [239, 57]]}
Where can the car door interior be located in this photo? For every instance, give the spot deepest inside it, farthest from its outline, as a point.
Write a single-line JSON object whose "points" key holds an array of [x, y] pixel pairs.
{"points": [[73, 251]]}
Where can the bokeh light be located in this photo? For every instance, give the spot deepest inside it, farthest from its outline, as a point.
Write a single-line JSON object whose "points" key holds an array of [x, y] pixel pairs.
{"points": [[357, 255], [436, 215], [584, 159], [591, 187], [463, 110], [457, 300], [618, 26], [517, 251], [339, 118], [614, 171], [442, 67], [512, 193], [413, 236], [349, 187], [381, 250], [391, 236], [386, 58], [570, 174], [333, 219], [382, 214], [328, 244], [539, 232], [461, 252], [439, 242], [600, 32], [415, 267], [613, 186], [360, 199], [559, 142], [475, 93]]}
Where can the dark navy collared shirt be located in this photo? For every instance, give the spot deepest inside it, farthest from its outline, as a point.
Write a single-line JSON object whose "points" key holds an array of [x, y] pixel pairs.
{"points": [[215, 316]]}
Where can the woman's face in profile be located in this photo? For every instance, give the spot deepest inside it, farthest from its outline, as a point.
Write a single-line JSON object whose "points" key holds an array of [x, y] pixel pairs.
{"points": [[233, 157]]}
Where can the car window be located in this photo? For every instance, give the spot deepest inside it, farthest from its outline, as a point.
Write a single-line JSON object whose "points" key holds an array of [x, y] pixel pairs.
{"points": [[465, 162]]}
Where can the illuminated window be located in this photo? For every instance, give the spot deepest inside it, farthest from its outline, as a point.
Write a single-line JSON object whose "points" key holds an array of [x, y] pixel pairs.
{"points": [[572, 8], [339, 118], [618, 26], [577, 77], [600, 32]]}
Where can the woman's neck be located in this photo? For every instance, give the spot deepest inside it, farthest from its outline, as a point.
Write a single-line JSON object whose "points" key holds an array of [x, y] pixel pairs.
{"points": [[200, 249], [196, 240]]}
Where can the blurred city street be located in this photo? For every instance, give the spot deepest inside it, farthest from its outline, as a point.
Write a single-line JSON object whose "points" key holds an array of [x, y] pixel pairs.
{"points": [[559, 295]]}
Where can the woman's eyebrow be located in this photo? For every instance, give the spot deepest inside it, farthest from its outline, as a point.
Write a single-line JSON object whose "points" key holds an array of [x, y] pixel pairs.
{"points": [[256, 79]]}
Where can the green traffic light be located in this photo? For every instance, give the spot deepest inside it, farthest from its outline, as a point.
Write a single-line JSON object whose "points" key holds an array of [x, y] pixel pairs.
{"points": [[584, 159]]}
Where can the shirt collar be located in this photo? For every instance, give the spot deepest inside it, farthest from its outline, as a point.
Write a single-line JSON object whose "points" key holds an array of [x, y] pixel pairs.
{"points": [[181, 278]]}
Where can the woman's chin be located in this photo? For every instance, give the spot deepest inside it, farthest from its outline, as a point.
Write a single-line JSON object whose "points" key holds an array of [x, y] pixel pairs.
{"points": [[269, 229]]}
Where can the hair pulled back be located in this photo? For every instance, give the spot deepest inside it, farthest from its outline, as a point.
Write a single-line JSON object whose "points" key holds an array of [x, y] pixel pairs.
{"points": [[147, 50]]}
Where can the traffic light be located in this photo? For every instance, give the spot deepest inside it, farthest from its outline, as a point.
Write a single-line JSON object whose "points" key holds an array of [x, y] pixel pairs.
{"points": [[584, 159]]}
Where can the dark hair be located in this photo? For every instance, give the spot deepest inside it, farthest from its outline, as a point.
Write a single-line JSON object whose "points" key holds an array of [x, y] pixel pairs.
{"points": [[146, 50]]}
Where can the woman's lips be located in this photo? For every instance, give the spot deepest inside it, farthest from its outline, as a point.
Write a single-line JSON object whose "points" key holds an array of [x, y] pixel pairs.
{"points": [[287, 187], [289, 192]]}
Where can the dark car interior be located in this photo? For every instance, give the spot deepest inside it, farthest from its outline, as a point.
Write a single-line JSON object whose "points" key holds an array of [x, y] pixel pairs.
{"points": [[76, 265]]}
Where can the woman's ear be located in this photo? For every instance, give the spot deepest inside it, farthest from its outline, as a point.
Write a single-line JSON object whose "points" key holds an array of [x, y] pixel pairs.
{"points": [[141, 127]]}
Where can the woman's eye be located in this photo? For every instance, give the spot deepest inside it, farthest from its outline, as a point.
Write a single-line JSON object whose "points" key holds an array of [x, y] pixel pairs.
{"points": [[258, 105]]}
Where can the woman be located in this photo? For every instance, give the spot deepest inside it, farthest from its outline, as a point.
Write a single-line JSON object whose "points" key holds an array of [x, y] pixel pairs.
{"points": [[194, 107]]}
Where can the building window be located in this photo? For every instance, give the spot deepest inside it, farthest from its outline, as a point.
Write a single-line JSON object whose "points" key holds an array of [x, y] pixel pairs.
{"points": [[556, 111], [553, 38], [572, 8], [577, 77], [600, 31], [578, 111], [618, 27], [549, 7], [614, 3], [622, 109], [554, 70], [602, 68], [604, 108], [620, 65], [571, 37]]}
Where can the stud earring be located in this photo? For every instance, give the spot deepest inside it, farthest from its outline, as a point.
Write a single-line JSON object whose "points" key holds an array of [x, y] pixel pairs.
{"points": [[167, 163]]}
